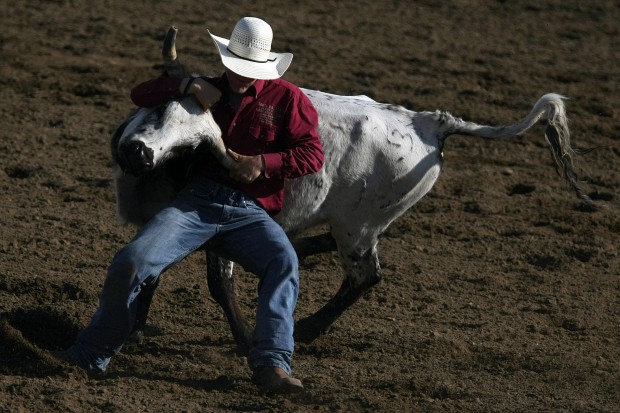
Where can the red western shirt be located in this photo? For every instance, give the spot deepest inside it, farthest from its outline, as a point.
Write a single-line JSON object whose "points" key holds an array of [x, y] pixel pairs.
{"points": [[275, 119]]}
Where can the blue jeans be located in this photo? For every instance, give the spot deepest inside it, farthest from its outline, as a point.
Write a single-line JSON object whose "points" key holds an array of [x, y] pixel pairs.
{"points": [[241, 231]]}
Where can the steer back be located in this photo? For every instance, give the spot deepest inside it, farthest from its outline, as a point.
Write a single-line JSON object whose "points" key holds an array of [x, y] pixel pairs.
{"points": [[377, 165]]}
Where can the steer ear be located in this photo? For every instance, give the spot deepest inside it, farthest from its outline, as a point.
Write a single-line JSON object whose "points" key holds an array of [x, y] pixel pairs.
{"points": [[172, 64]]}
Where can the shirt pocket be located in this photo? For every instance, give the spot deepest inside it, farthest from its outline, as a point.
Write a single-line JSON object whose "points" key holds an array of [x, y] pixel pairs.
{"points": [[263, 138]]}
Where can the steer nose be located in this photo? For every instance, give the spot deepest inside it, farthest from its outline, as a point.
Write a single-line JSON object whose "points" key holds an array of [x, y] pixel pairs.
{"points": [[137, 155]]}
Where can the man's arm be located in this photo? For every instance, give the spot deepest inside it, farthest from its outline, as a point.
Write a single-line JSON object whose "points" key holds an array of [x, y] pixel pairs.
{"points": [[163, 89], [304, 153], [156, 91]]}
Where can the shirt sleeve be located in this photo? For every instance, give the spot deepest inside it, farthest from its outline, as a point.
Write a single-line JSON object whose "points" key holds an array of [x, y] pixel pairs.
{"points": [[303, 153], [156, 91]]}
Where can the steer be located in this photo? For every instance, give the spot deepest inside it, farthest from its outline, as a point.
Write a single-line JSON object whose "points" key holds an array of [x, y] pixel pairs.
{"points": [[380, 159]]}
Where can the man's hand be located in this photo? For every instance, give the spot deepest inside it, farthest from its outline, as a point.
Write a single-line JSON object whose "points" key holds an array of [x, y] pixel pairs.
{"points": [[205, 92], [247, 168]]}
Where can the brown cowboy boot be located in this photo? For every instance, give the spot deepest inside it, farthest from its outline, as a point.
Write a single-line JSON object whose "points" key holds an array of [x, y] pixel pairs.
{"points": [[275, 380]]}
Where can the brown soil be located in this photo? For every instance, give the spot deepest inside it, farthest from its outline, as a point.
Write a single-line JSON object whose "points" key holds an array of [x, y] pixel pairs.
{"points": [[500, 290]]}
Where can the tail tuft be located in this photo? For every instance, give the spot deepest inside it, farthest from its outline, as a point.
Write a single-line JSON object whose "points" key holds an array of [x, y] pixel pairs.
{"points": [[558, 135], [551, 108]]}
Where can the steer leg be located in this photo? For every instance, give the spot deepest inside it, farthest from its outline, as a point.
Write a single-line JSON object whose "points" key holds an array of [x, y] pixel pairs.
{"points": [[362, 271], [317, 244], [221, 285], [222, 288], [143, 304]]}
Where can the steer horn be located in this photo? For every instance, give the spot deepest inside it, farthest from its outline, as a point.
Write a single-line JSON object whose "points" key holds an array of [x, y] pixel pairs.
{"points": [[173, 66]]}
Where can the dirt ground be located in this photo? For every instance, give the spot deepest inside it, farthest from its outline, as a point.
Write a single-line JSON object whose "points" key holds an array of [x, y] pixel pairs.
{"points": [[500, 290]]}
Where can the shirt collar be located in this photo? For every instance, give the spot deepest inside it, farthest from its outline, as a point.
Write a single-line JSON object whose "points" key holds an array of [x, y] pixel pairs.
{"points": [[258, 86], [254, 90]]}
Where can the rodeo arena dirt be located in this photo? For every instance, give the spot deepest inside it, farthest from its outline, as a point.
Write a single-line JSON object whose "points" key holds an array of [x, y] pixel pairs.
{"points": [[500, 288]]}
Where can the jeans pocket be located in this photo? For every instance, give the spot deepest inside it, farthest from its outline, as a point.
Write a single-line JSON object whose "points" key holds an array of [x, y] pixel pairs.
{"points": [[252, 204], [204, 190]]}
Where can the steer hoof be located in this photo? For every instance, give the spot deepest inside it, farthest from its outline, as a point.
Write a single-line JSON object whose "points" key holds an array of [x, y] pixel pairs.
{"points": [[243, 339], [243, 348]]}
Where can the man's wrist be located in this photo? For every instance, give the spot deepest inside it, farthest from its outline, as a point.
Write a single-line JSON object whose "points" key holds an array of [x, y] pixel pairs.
{"points": [[262, 168], [186, 84]]}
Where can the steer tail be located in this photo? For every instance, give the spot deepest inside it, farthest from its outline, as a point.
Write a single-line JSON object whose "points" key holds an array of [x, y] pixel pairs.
{"points": [[550, 106]]}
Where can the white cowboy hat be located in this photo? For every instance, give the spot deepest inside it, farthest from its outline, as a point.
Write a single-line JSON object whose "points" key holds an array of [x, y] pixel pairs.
{"points": [[248, 52]]}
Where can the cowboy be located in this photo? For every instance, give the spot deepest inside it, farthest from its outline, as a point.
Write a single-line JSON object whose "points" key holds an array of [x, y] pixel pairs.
{"points": [[270, 129]]}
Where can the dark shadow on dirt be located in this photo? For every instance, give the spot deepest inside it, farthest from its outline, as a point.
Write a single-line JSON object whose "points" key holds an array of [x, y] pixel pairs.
{"points": [[28, 335]]}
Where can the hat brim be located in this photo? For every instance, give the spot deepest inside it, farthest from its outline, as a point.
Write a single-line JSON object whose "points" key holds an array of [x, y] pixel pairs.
{"points": [[274, 68]]}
